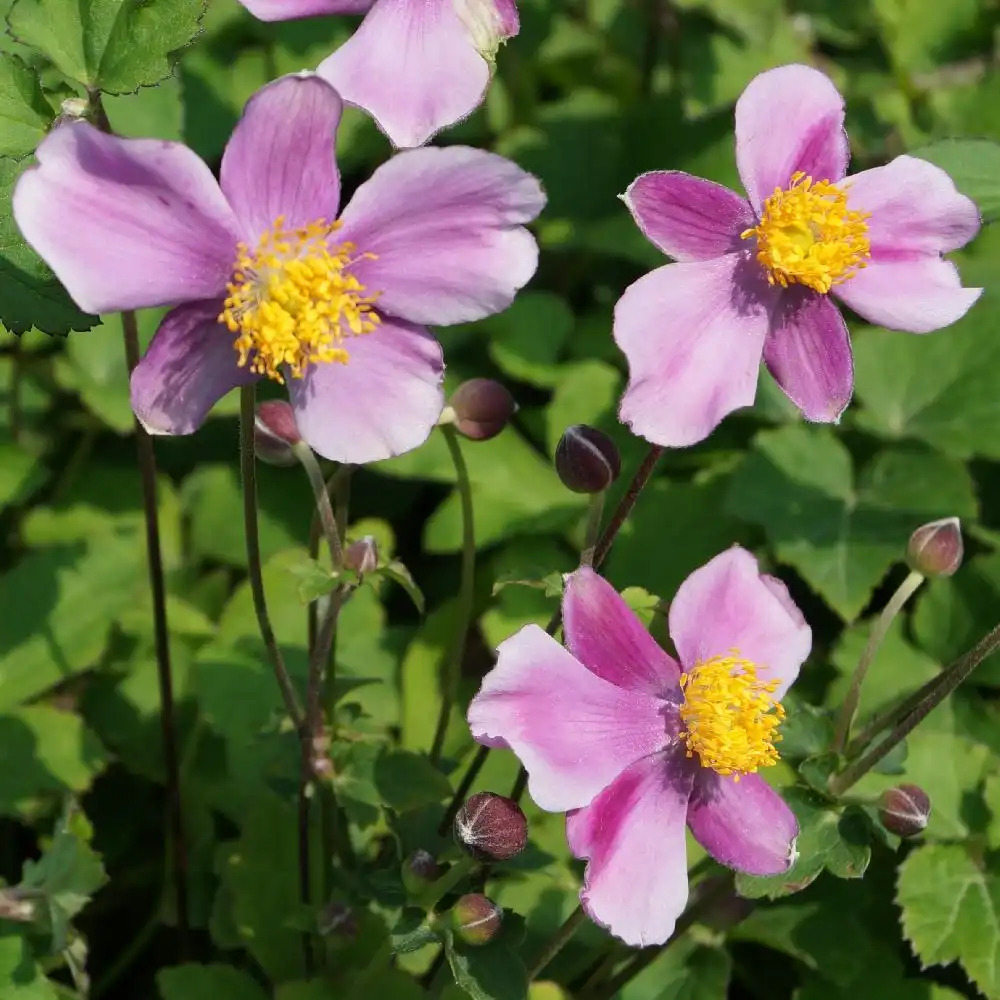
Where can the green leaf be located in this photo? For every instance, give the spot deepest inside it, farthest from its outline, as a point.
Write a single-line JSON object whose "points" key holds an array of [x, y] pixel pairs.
{"points": [[111, 45], [974, 166], [951, 912], [550, 584], [312, 580], [398, 573], [207, 982], [525, 341], [25, 114], [408, 780], [412, 932], [20, 975], [20, 472], [488, 972], [687, 970]]}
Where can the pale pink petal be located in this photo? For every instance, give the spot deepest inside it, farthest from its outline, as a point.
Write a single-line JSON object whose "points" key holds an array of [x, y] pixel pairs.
{"points": [[743, 824], [633, 835], [190, 365], [914, 207], [488, 22], [126, 223], [687, 217], [280, 159], [289, 10], [808, 351], [384, 401], [727, 604], [445, 227], [573, 732], [606, 637], [412, 66], [789, 119], [918, 294], [693, 335]]}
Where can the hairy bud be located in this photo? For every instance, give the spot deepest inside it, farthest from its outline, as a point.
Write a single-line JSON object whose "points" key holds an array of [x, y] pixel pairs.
{"points": [[275, 433], [482, 408], [420, 871], [586, 459], [362, 555], [475, 919], [936, 549], [904, 810], [491, 827]]}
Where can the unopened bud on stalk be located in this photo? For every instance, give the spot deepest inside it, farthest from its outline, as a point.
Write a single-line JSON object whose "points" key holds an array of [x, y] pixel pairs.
{"points": [[491, 827], [338, 920], [13, 906], [904, 810], [362, 555], [420, 871], [475, 919], [587, 460], [275, 433], [936, 549], [482, 408]]}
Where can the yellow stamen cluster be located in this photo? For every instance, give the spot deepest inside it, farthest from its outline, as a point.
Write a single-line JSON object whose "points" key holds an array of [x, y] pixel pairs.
{"points": [[293, 300], [808, 236], [730, 718]]}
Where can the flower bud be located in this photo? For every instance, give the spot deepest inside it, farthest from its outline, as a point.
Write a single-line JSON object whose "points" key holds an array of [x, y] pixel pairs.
{"points": [[904, 810], [420, 871], [935, 549], [482, 408], [362, 555], [275, 433], [491, 827], [475, 919], [13, 906], [338, 920], [586, 459]]}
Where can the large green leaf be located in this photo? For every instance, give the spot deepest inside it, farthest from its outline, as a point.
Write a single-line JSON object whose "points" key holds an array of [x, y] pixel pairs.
{"points": [[207, 982], [21, 977], [25, 114]]}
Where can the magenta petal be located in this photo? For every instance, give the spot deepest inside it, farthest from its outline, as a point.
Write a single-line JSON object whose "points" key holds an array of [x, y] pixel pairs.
{"points": [[919, 294], [743, 824], [190, 365], [280, 159], [808, 351], [446, 229], [789, 119], [728, 604], [289, 10], [693, 335], [126, 223], [604, 634], [687, 217], [413, 66], [573, 732], [383, 402], [633, 835]]}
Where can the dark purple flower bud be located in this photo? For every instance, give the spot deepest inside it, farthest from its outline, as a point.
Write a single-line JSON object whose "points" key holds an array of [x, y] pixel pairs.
{"points": [[475, 919], [491, 827], [904, 810], [482, 408], [275, 433], [362, 555], [337, 919], [936, 549], [586, 459], [420, 871]]}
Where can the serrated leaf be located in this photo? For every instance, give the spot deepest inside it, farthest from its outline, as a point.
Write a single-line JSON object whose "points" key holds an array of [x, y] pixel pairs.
{"points": [[488, 972], [974, 166], [407, 781], [207, 982], [25, 114], [312, 580], [551, 584]]}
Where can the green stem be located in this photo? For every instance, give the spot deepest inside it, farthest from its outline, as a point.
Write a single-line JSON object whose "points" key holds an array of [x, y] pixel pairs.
{"points": [[888, 718], [594, 513], [463, 789], [627, 502], [557, 943], [466, 595], [435, 892], [850, 707], [324, 509]]}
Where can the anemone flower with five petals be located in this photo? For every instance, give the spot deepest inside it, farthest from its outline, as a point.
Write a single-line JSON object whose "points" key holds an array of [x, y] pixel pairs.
{"points": [[266, 281], [633, 744], [754, 277], [416, 66]]}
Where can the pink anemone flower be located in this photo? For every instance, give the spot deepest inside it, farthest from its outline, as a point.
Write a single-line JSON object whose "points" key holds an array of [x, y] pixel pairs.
{"points": [[755, 276], [416, 66], [267, 281], [635, 745]]}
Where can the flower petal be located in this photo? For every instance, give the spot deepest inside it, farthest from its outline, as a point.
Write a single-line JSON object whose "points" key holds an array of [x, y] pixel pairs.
{"points": [[789, 119], [412, 66], [190, 365], [573, 732], [808, 351], [914, 207], [604, 634], [488, 22], [918, 294], [693, 335], [445, 229], [126, 223], [280, 160], [687, 217], [728, 604], [384, 401], [636, 881], [743, 824], [289, 10]]}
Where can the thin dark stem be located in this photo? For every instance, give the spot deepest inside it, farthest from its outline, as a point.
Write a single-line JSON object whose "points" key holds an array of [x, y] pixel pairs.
{"points": [[463, 789], [520, 784], [161, 636], [627, 502], [557, 943]]}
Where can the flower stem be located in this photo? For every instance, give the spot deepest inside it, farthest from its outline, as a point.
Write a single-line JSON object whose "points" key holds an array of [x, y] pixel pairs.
{"points": [[594, 514], [557, 943], [437, 890], [466, 595], [850, 707], [168, 734], [463, 789], [627, 502]]}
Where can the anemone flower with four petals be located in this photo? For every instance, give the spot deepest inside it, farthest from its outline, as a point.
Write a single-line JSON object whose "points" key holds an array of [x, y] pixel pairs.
{"points": [[633, 744], [755, 276], [416, 66], [267, 281]]}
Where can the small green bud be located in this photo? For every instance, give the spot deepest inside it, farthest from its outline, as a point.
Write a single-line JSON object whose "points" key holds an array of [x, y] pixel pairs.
{"points": [[936, 548], [420, 871], [475, 919]]}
